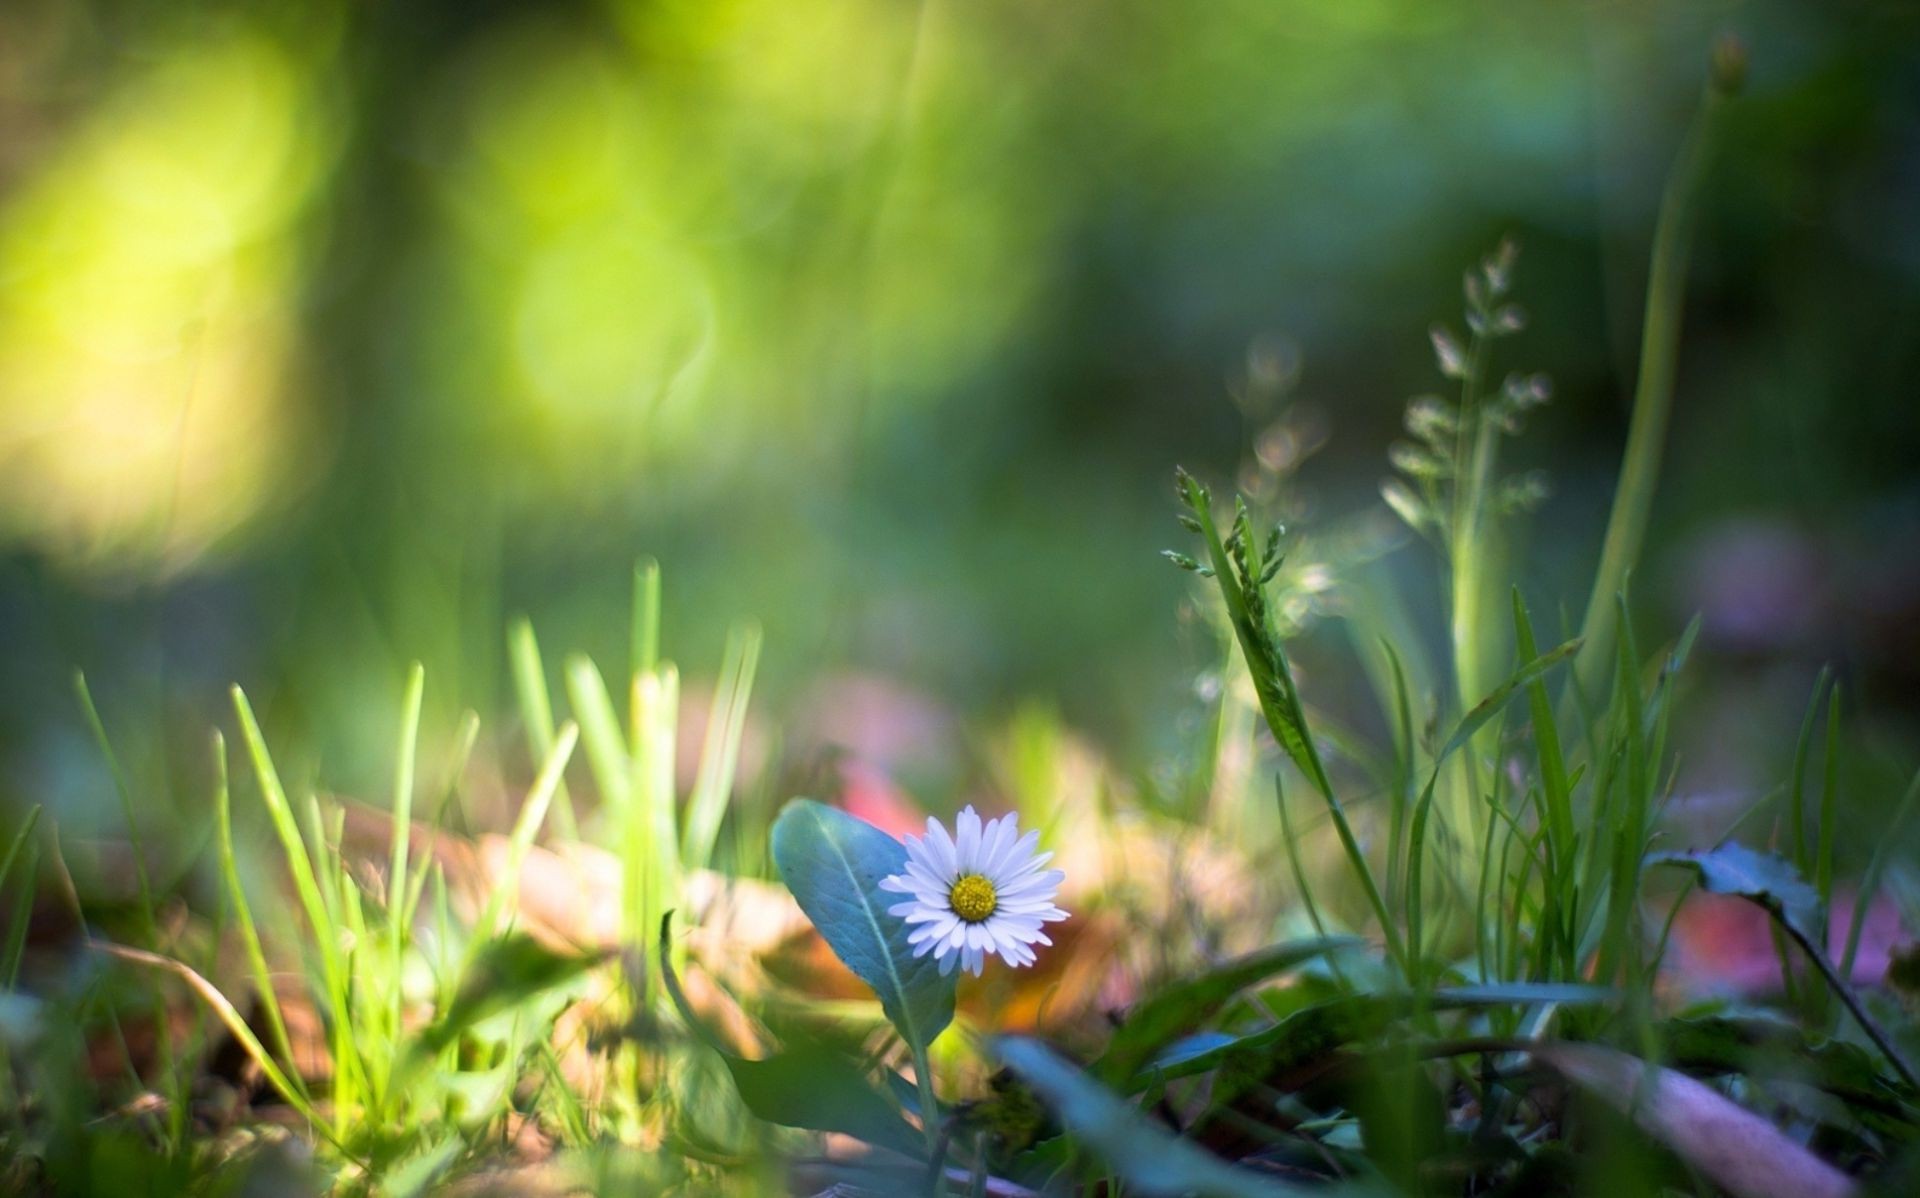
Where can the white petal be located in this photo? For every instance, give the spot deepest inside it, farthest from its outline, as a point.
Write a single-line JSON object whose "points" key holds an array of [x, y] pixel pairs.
{"points": [[946, 963], [1044, 886], [1022, 850], [897, 883], [967, 840], [1029, 867], [927, 880], [919, 853], [942, 846], [994, 845]]}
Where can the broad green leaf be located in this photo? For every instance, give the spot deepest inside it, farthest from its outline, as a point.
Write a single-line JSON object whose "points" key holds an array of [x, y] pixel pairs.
{"points": [[1770, 881], [1313, 1031], [803, 1085], [1181, 1006], [1152, 1160], [505, 973], [833, 864], [1499, 994], [1759, 1044], [419, 1173], [1777, 888]]}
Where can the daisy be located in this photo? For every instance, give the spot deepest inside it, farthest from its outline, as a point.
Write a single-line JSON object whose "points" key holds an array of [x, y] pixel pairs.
{"points": [[979, 891]]}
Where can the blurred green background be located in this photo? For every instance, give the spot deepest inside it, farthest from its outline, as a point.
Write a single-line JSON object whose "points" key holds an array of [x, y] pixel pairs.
{"points": [[333, 335]]}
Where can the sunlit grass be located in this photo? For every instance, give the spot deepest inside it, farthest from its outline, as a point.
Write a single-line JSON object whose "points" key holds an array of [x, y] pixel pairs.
{"points": [[1483, 1005]]}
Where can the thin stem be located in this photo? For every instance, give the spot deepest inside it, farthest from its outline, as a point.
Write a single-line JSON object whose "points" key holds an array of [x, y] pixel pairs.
{"points": [[1867, 1023], [929, 1117], [1653, 394]]}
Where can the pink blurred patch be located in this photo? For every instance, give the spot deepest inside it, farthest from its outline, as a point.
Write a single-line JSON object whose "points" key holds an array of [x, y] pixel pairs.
{"points": [[878, 720], [1723, 945], [869, 794]]}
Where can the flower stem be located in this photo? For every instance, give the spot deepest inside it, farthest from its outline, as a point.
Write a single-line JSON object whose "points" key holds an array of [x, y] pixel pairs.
{"points": [[929, 1118]]}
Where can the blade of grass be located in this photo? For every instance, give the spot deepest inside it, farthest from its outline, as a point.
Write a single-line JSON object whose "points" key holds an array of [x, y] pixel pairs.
{"points": [[15, 944], [397, 870], [236, 1025], [243, 913], [720, 756], [1870, 881], [321, 918], [646, 616], [536, 712], [1829, 799], [166, 1051], [650, 862], [1653, 393], [533, 813], [403, 790], [463, 749], [1796, 785], [606, 746]]}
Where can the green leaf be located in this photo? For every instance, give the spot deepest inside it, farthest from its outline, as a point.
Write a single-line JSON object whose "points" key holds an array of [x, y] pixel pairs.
{"points": [[1497, 699], [1188, 1002], [1311, 1032], [1151, 1159], [506, 972], [1526, 994], [1762, 878], [1778, 889], [807, 1086], [804, 1085], [833, 864], [1759, 1044]]}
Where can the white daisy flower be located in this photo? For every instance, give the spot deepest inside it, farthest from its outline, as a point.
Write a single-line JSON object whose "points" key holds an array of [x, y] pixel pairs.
{"points": [[979, 891]]}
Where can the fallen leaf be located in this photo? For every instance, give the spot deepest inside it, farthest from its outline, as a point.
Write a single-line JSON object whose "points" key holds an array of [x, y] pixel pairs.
{"points": [[1733, 1147]]}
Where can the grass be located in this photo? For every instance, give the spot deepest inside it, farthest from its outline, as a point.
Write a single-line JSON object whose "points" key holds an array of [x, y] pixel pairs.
{"points": [[1483, 861]]}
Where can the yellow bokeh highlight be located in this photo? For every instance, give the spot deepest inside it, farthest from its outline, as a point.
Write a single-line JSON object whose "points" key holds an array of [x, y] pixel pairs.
{"points": [[750, 224], [147, 323]]}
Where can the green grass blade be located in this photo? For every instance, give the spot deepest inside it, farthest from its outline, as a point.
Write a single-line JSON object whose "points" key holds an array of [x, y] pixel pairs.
{"points": [[236, 1025], [646, 616], [606, 746], [720, 756], [150, 924], [18, 842], [321, 918], [243, 914], [1870, 881], [16, 935], [403, 792], [650, 855], [533, 813], [1653, 393], [463, 749], [149, 916], [1829, 801], [536, 712], [1796, 785]]}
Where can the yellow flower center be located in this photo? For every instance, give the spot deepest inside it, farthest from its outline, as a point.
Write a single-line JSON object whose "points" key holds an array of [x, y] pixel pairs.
{"points": [[972, 898]]}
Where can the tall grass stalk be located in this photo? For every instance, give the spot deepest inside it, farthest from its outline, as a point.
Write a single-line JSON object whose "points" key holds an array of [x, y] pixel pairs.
{"points": [[1659, 358]]}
